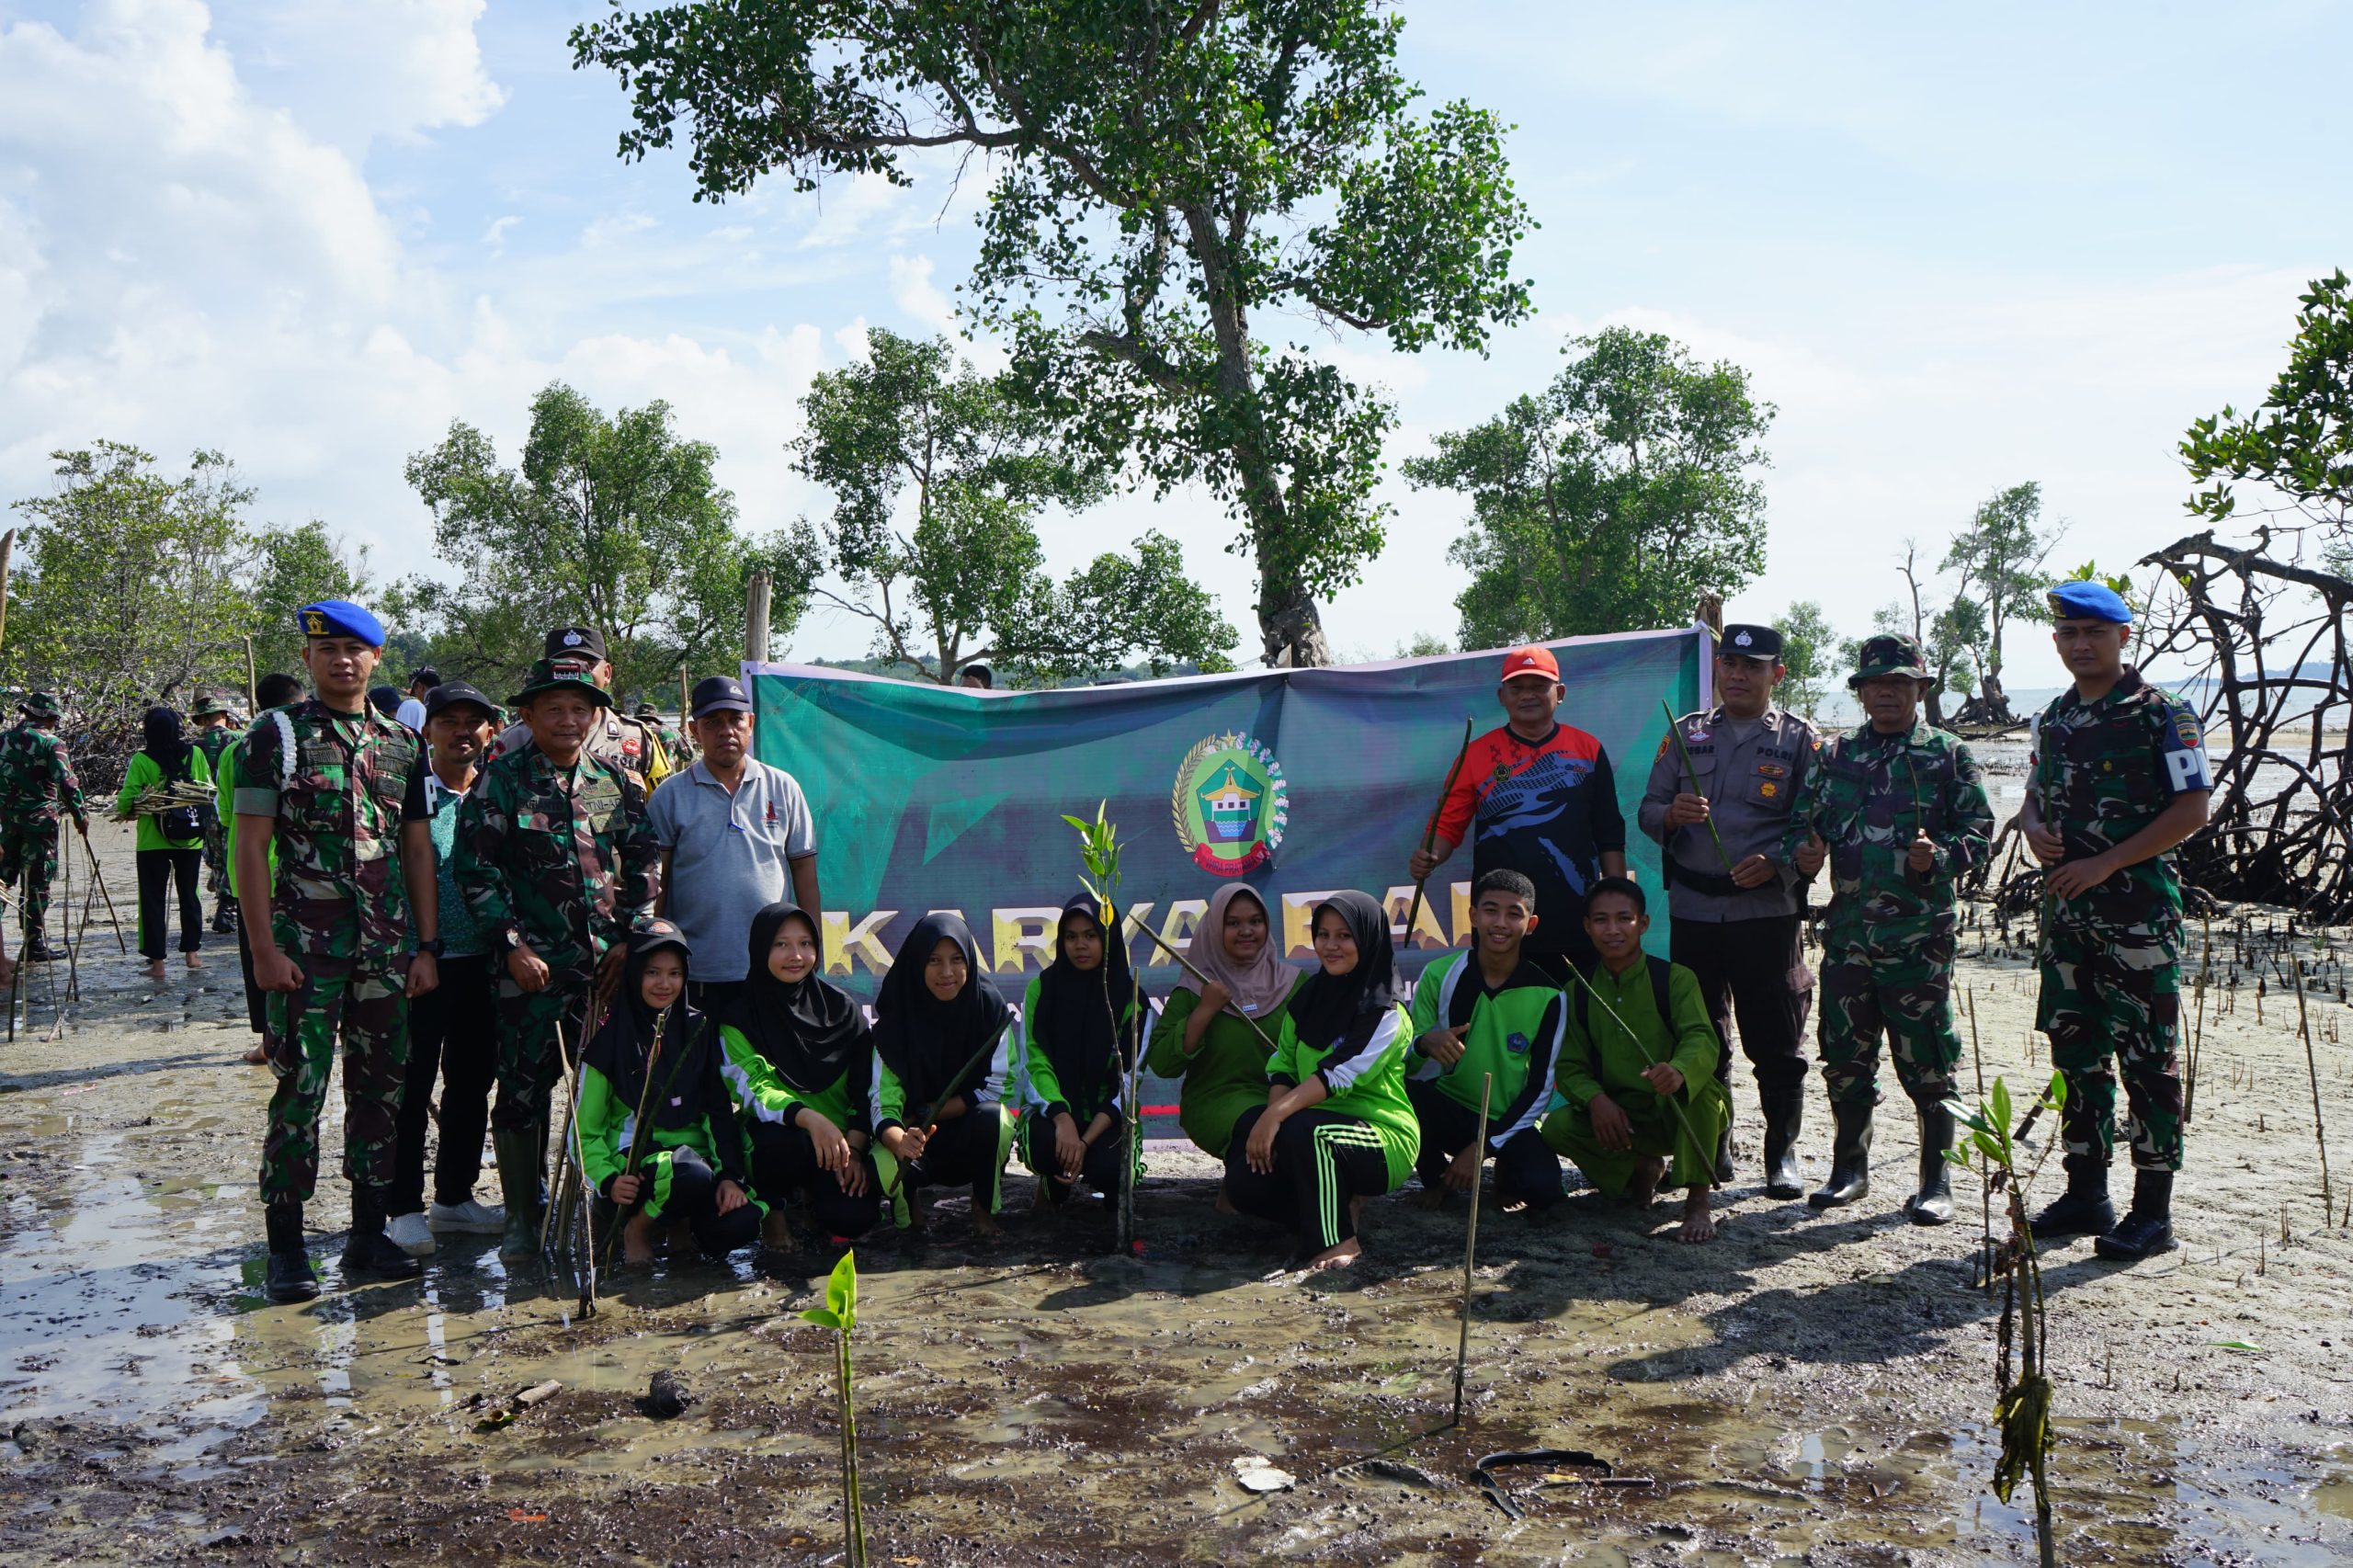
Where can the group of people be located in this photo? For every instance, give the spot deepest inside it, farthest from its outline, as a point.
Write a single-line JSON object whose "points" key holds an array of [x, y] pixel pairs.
{"points": [[489, 913]]}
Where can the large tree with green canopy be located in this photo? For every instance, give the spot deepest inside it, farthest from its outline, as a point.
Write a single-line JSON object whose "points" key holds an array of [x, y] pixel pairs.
{"points": [[1173, 183]]}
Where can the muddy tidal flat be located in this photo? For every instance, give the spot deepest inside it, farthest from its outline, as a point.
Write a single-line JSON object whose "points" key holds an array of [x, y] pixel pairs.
{"points": [[1813, 1388]]}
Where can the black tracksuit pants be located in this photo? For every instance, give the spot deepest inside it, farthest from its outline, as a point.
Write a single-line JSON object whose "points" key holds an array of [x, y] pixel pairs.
{"points": [[694, 1198], [1527, 1171], [1100, 1170], [453, 1032], [784, 1161], [967, 1151], [1322, 1161], [1753, 970], [158, 869]]}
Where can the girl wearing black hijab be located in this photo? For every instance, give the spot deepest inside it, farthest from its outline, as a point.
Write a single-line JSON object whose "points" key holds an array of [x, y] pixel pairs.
{"points": [[801, 1063], [1074, 1049], [170, 842], [942, 1053], [1337, 1127], [658, 1133]]}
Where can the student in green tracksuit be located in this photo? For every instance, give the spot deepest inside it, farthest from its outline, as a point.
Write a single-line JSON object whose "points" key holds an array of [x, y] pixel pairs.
{"points": [[1074, 1055], [1636, 1101], [1337, 1127], [1488, 1013], [943, 1053], [1205, 1037], [171, 843], [801, 1063], [656, 1052]]}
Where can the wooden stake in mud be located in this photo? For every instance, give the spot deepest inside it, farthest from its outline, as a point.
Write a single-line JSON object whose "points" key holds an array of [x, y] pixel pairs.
{"points": [[1470, 1248], [2311, 1066], [1985, 1188], [98, 879], [1429, 838]]}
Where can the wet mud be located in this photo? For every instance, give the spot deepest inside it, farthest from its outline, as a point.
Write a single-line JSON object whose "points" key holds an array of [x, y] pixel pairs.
{"points": [[1813, 1389]]}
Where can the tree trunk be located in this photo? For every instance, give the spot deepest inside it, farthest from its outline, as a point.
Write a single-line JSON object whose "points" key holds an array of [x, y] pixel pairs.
{"points": [[1291, 627]]}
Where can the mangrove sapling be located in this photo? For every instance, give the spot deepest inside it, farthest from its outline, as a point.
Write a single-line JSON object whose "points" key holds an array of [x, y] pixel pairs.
{"points": [[1471, 1249], [840, 1314], [2022, 1402], [1099, 850], [2311, 1066]]}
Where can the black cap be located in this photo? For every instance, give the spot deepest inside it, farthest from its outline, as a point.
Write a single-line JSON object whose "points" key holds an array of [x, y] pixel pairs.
{"points": [[988, 676], [718, 693], [428, 674], [384, 699], [451, 693], [1749, 642], [573, 643]]}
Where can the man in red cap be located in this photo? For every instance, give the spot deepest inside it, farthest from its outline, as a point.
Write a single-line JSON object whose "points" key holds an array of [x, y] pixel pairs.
{"points": [[1542, 798]]}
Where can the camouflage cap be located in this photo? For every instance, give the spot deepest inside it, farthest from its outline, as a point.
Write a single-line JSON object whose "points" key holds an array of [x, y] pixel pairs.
{"points": [[1889, 654], [39, 704], [208, 705], [557, 675]]}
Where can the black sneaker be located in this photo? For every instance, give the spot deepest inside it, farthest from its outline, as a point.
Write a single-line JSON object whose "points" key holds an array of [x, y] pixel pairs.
{"points": [[2137, 1237]]}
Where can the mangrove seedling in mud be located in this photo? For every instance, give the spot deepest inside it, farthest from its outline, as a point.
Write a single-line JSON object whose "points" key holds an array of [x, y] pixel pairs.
{"points": [[2021, 1386], [840, 1314], [1099, 848]]}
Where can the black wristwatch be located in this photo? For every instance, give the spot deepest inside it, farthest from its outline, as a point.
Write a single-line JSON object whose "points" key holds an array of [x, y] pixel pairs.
{"points": [[431, 950]]}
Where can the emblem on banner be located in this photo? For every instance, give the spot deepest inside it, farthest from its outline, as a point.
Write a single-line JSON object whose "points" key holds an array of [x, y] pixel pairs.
{"points": [[1230, 804]]}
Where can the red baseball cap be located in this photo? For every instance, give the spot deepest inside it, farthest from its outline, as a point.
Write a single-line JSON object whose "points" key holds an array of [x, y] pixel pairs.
{"points": [[1531, 661]]}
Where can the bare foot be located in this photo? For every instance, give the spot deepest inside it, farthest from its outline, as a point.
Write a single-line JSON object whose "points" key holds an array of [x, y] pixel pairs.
{"points": [[1225, 1204], [1649, 1171], [1340, 1257], [984, 1225], [256, 1056], [1699, 1221], [775, 1231], [1356, 1216], [195, 962], [156, 969], [637, 1240], [1431, 1197]]}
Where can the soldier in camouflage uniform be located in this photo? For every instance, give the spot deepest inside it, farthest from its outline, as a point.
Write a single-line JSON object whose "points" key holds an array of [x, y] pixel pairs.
{"points": [[555, 857], [213, 737], [37, 785], [617, 741], [2120, 777], [1899, 810], [325, 780]]}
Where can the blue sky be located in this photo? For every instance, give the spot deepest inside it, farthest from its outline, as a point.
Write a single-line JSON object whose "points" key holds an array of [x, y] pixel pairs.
{"points": [[1958, 249]]}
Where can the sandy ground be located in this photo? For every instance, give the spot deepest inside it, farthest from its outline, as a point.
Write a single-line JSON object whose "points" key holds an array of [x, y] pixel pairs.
{"points": [[1813, 1389]]}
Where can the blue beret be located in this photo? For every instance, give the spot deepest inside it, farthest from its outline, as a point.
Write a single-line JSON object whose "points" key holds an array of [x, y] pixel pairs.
{"points": [[340, 618], [2090, 601]]}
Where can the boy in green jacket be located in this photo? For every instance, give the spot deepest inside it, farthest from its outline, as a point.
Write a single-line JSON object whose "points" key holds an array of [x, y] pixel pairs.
{"points": [[1640, 1099], [1483, 1014]]}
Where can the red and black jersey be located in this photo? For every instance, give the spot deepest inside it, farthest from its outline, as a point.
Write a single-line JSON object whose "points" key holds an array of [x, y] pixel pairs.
{"points": [[1546, 809]]}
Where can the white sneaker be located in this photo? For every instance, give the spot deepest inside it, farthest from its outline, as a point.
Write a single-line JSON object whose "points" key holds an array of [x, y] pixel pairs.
{"points": [[409, 1233], [471, 1218]]}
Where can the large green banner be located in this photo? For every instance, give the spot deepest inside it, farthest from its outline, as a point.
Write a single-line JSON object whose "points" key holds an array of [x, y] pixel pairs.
{"points": [[1299, 782]]}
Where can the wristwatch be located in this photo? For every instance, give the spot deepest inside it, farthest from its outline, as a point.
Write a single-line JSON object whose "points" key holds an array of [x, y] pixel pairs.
{"points": [[431, 950]]}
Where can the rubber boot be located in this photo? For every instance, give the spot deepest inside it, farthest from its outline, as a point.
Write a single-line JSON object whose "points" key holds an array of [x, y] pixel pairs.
{"points": [[289, 1278], [518, 1152], [1850, 1156], [2148, 1229], [1784, 1108], [2083, 1210], [1723, 1139], [367, 1253], [1932, 1205], [40, 950]]}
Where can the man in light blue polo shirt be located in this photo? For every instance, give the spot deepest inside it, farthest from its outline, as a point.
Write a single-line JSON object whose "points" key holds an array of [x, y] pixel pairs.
{"points": [[736, 836]]}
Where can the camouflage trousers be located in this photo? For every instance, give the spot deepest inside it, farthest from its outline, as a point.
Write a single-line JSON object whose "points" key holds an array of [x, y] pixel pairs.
{"points": [[30, 860], [216, 859], [528, 1063], [1893, 980], [364, 1008], [2111, 1005]]}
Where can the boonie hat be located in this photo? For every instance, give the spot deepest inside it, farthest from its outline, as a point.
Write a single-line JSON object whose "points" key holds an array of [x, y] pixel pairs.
{"points": [[208, 705], [552, 674], [718, 694], [1889, 654], [2088, 601], [1741, 640], [451, 693], [39, 704], [339, 618], [1531, 660]]}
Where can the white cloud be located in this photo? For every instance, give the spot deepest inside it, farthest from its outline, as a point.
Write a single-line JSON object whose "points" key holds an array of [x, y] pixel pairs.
{"points": [[352, 70]]}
